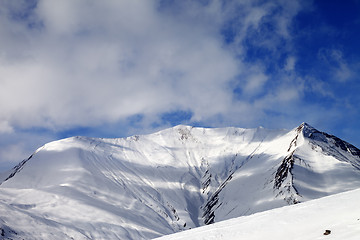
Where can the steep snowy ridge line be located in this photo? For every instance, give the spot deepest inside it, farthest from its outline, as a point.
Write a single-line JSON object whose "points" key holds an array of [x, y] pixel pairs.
{"points": [[19, 167], [284, 172], [146, 186], [319, 138]]}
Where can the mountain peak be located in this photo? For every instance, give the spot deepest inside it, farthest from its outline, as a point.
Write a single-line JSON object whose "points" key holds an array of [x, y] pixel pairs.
{"points": [[305, 126], [307, 130]]}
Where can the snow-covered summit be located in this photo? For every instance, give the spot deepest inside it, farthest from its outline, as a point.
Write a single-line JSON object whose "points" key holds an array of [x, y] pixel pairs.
{"points": [[172, 180]]}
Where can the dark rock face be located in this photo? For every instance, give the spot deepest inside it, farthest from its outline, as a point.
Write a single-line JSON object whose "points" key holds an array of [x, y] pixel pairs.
{"points": [[18, 168], [331, 144], [284, 170], [212, 204]]}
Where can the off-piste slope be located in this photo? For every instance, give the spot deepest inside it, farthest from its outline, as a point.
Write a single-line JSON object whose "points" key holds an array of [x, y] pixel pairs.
{"points": [[176, 179], [332, 217]]}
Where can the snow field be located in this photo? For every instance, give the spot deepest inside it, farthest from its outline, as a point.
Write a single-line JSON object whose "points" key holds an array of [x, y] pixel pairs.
{"points": [[339, 213]]}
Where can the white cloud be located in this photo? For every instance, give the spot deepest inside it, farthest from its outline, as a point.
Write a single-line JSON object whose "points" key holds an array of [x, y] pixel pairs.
{"points": [[97, 62], [343, 73], [255, 83], [339, 67], [290, 63], [342, 70], [5, 127], [86, 63]]}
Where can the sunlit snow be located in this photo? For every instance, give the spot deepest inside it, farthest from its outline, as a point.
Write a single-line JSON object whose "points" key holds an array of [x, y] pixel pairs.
{"points": [[147, 186]]}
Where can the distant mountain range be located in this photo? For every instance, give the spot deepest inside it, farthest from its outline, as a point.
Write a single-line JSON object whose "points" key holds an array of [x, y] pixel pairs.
{"points": [[147, 186]]}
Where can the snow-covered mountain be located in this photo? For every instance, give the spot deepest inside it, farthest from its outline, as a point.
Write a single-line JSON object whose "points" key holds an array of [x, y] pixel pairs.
{"points": [[147, 186]]}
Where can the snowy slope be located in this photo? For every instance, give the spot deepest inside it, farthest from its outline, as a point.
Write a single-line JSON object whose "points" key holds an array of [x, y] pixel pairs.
{"points": [[173, 180], [338, 213]]}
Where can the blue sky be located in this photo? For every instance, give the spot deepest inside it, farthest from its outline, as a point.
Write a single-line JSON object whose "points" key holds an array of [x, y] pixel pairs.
{"points": [[117, 68]]}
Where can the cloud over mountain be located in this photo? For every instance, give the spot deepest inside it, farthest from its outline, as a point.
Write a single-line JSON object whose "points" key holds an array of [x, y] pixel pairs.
{"points": [[66, 65], [85, 63]]}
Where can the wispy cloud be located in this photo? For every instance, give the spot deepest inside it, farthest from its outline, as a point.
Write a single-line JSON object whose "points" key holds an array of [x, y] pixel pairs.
{"points": [[339, 67]]}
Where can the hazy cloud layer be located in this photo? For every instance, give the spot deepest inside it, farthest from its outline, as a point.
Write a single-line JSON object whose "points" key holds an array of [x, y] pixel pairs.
{"points": [[68, 64]]}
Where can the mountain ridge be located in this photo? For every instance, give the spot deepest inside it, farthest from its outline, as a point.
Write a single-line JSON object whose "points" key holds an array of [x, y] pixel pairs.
{"points": [[175, 179]]}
